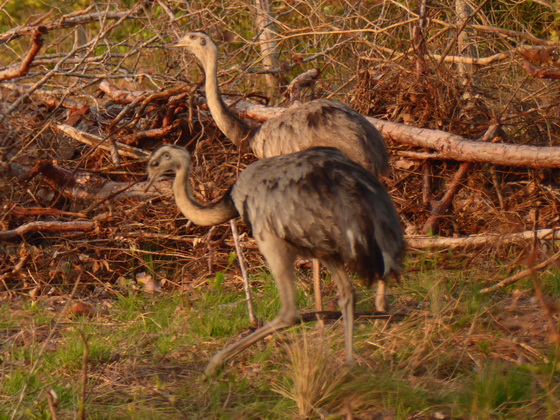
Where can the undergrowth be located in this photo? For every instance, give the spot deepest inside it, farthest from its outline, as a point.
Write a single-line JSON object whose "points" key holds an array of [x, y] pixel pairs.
{"points": [[451, 355]]}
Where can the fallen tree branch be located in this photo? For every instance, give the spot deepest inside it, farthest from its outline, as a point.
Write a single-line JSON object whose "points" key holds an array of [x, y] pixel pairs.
{"points": [[149, 134], [19, 232], [80, 17], [447, 145], [441, 206], [86, 186], [96, 141], [540, 73], [23, 68], [121, 96], [48, 98], [521, 275], [474, 241]]}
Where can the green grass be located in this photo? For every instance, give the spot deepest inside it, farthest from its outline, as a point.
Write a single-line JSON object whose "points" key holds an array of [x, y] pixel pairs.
{"points": [[146, 355]]}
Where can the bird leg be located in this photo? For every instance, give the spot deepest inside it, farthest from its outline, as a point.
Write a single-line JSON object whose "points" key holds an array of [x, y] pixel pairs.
{"points": [[280, 258], [317, 285], [347, 304], [284, 320], [243, 268], [381, 304]]}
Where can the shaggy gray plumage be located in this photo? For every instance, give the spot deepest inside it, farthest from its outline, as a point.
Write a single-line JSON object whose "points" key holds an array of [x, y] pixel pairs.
{"points": [[315, 203], [317, 123]]}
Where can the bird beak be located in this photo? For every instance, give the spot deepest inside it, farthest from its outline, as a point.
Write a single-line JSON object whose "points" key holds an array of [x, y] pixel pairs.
{"points": [[172, 45], [150, 181]]}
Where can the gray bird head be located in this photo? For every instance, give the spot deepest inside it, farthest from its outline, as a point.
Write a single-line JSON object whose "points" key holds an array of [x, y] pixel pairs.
{"points": [[199, 44], [167, 160]]}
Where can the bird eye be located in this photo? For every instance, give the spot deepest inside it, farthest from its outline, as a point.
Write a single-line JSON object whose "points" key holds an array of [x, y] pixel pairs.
{"points": [[192, 37], [167, 156]]}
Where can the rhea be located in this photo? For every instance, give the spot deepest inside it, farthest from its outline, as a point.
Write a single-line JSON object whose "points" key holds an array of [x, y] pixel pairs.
{"points": [[317, 123], [316, 203]]}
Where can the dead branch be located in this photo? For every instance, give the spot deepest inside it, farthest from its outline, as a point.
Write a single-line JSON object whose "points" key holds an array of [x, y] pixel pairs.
{"points": [[146, 134], [442, 205], [540, 73], [121, 96], [21, 70], [48, 98], [477, 61], [447, 145], [19, 232], [41, 211], [85, 186], [96, 141], [81, 17], [521, 275], [475, 241]]}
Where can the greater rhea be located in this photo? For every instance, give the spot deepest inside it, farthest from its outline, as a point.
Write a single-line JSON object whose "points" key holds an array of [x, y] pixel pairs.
{"points": [[315, 203], [321, 122]]}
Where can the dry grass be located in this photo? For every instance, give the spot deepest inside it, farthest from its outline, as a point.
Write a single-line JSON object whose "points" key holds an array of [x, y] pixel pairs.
{"points": [[147, 366]]}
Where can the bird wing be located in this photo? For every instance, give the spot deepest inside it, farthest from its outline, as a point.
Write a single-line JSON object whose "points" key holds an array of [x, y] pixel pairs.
{"points": [[324, 123], [321, 203]]}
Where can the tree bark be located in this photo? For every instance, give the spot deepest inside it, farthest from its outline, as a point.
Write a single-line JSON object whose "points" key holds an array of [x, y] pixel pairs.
{"points": [[83, 226], [268, 46], [447, 145]]}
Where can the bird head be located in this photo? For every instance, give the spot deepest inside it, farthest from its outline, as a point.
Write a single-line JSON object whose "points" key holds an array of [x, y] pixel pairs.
{"points": [[166, 160], [198, 43]]}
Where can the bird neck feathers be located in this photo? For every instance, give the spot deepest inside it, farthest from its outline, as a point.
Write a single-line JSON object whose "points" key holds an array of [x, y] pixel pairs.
{"points": [[228, 122], [200, 214]]}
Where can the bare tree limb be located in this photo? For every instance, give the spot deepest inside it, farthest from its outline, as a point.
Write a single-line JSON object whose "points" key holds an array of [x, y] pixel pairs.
{"points": [[473, 241], [96, 141], [73, 19], [447, 145], [82, 226], [121, 96], [21, 70], [521, 275]]}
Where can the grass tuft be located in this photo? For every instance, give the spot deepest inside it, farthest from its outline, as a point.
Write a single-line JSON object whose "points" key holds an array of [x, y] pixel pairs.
{"points": [[316, 378]]}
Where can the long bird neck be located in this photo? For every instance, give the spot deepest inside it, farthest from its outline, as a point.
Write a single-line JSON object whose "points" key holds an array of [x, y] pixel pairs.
{"points": [[203, 215], [229, 123]]}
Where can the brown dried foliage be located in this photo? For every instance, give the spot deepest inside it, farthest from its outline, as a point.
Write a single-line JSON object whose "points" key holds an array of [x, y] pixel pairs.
{"points": [[365, 62]]}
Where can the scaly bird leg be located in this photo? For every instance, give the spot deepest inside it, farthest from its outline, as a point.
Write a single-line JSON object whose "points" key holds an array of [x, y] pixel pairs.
{"points": [[280, 257], [346, 302]]}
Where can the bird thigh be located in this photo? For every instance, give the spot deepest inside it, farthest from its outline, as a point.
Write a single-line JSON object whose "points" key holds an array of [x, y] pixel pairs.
{"points": [[280, 257]]}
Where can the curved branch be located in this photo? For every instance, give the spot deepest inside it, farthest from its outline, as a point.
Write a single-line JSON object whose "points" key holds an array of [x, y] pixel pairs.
{"points": [[21, 70]]}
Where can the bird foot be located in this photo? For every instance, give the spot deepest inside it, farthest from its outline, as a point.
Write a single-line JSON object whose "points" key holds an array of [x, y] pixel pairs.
{"points": [[257, 323], [213, 368]]}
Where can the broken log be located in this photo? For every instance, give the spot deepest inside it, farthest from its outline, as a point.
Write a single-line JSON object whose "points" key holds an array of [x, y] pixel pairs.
{"points": [[19, 232], [447, 145], [96, 141], [473, 241]]}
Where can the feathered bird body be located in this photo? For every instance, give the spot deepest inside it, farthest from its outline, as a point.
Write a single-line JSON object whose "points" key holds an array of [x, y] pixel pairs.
{"points": [[325, 206], [316, 203], [323, 123], [317, 123]]}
